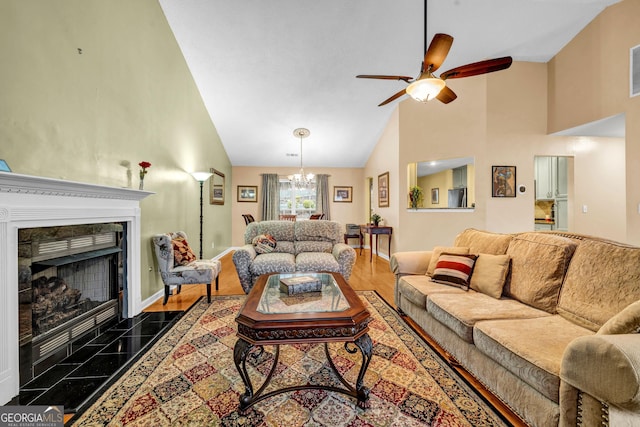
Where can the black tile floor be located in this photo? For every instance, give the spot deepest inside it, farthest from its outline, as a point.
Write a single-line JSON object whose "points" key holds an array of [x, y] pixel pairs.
{"points": [[79, 379]]}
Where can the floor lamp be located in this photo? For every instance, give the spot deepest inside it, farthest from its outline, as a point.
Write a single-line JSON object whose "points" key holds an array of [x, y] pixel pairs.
{"points": [[201, 177]]}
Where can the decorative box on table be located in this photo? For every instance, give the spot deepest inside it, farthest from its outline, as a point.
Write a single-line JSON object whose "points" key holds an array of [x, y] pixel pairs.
{"points": [[300, 284]]}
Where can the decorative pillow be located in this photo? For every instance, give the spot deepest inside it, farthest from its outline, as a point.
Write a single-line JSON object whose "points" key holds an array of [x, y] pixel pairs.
{"points": [[453, 269], [182, 253], [490, 274], [625, 322], [439, 250], [264, 243]]}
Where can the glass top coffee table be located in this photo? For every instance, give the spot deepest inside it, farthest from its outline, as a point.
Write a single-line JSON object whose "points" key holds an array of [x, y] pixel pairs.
{"points": [[270, 316]]}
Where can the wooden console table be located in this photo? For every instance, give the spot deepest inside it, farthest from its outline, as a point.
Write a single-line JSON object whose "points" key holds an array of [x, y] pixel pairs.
{"points": [[374, 230]]}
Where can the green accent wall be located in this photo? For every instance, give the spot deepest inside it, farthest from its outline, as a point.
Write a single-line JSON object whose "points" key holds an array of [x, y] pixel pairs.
{"points": [[90, 88]]}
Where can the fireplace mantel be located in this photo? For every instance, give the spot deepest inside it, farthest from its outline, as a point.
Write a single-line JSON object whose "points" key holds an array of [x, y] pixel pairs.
{"points": [[30, 201]]}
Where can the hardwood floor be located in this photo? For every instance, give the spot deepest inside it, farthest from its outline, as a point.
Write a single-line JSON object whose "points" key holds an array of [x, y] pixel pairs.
{"points": [[366, 276]]}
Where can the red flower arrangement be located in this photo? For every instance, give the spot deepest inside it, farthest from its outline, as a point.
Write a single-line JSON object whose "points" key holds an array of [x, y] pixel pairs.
{"points": [[143, 170]]}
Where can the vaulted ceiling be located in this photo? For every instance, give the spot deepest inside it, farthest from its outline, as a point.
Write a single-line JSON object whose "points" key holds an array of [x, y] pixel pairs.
{"points": [[266, 67]]}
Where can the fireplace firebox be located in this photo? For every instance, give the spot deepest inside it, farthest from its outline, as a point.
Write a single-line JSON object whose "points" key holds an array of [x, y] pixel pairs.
{"points": [[70, 281]]}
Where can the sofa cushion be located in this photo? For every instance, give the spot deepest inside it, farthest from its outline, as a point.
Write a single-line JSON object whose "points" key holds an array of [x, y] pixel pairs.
{"points": [[538, 265], [264, 243], [285, 246], [454, 270], [312, 246], [182, 253], [274, 262], [439, 250], [536, 361], [625, 322], [320, 231], [490, 274], [613, 270], [483, 241], [280, 230], [416, 288], [316, 261], [461, 312]]}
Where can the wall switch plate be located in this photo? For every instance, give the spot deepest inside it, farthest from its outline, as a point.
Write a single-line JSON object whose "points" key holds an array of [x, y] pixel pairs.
{"points": [[584, 209], [213, 245]]}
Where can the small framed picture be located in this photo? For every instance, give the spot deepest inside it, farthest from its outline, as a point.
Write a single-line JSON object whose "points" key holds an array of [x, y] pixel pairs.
{"points": [[503, 181], [435, 196], [216, 187], [383, 190], [343, 194], [247, 193]]}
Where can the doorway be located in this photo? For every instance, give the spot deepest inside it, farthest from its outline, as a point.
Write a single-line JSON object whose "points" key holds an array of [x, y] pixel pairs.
{"points": [[553, 181]]}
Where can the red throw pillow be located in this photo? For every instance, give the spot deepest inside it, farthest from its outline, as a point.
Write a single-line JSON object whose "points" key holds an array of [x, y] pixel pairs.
{"points": [[182, 253], [454, 270]]}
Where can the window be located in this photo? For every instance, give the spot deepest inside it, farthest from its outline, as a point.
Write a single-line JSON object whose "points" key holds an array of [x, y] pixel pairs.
{"points": [[296, 201]]}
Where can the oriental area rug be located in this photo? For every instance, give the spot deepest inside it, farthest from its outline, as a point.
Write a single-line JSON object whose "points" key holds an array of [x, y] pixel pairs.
{"points": [[189, 378]]}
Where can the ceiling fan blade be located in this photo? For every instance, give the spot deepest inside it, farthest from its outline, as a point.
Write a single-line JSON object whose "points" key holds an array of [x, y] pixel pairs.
{"points": [[376, 76], [446, 95], [437, 52], [392, 98], [482, 67]]}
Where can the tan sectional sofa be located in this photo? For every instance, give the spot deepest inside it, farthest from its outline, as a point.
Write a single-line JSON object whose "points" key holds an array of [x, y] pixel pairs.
{"points": [[550, 324]]}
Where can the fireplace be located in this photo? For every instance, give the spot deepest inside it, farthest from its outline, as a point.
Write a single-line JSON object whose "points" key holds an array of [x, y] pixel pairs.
{"points": [[28, 203], [69, 281]]}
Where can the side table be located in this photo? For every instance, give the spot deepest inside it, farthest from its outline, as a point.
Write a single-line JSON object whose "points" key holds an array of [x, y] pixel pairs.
{"points": [[374, 230]]}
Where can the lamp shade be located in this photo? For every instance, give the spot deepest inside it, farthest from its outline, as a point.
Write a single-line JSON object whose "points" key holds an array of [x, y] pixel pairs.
{"points": [[201, 176], [424, 90]]}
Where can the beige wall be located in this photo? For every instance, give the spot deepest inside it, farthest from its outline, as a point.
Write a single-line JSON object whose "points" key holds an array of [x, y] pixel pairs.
{"points": [[499, 119], [342, 212], [127, 97], [384, 158], [589, 80]]}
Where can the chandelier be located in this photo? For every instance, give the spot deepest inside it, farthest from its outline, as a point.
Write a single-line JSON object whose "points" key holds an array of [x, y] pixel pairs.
{"points": [[300, 179]]}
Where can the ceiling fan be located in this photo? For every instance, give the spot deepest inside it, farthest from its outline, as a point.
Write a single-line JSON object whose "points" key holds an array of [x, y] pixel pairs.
{"points": [[427, 86]]}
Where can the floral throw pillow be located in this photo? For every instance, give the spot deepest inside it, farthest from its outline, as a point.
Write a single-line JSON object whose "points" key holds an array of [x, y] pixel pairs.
{"points": [[264, 243], [182, 253]]}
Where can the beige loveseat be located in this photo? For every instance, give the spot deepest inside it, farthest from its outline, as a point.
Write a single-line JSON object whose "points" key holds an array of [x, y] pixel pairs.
{"points": [[550, 324], [297, 246]]}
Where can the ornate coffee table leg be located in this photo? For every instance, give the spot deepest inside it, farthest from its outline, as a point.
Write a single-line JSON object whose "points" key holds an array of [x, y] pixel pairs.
{"points": [[240, 352], [366, 347]]}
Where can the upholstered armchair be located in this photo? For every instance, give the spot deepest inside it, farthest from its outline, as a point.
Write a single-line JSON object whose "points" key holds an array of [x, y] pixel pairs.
{"points": [[179, 266], [305, 246]]}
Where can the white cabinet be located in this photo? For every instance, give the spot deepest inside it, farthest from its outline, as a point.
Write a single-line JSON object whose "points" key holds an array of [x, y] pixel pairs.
{"points": [[460, 177], [561, 177], [545, 178], [562, 214], [551, 177], [539, 227]]}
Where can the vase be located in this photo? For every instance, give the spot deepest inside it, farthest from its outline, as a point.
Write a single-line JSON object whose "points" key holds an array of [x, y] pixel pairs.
{"points": [[141, 186]]}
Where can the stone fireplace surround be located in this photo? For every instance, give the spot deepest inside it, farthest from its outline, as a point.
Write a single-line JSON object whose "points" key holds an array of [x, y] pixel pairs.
{"points": [[29, 202]]}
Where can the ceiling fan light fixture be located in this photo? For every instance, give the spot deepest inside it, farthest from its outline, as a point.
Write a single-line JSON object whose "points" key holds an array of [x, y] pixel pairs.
{"points": [[426, 89]]}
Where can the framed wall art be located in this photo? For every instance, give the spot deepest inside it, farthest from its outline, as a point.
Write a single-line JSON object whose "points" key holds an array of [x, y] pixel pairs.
{"points": [[383, 190], [435, 196], [503, 181], [216, 187], [247, 193], [343, 194]]}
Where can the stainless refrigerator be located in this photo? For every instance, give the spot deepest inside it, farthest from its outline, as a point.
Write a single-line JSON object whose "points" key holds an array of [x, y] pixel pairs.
{"points": [[457, 198]]}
